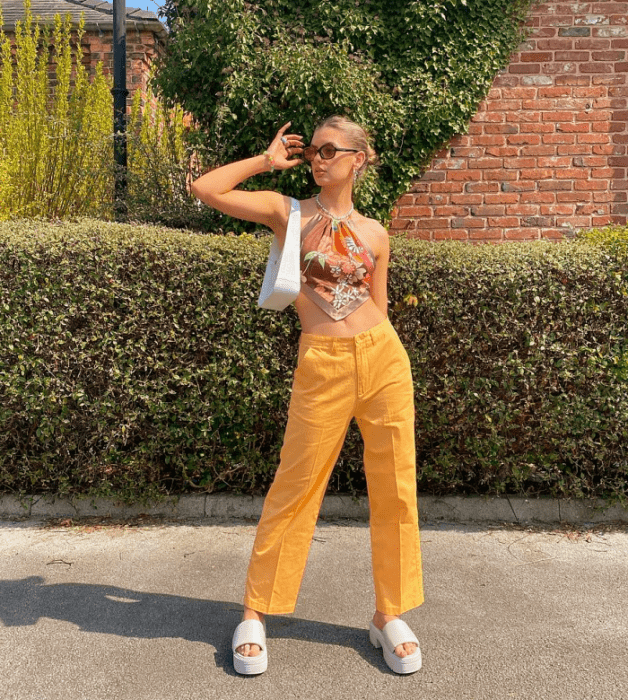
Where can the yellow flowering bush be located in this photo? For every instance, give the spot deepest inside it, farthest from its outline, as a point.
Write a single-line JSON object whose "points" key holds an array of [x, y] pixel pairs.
{"points": [[54, 143]]}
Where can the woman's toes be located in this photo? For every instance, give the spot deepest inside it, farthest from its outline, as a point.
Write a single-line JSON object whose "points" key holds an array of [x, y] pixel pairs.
{"points": [[406, 649], [380, 620], [249, 650]]}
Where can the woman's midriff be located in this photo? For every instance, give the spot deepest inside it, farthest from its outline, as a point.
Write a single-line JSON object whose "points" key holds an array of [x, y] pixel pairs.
{"points": [[315, 321]]}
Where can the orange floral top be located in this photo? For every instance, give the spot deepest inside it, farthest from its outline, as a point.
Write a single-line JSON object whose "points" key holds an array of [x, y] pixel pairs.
{"points": [[336, 266]]}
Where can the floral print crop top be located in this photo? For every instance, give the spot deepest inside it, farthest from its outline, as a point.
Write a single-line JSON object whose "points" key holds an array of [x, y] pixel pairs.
{"points": [[336, 266]]}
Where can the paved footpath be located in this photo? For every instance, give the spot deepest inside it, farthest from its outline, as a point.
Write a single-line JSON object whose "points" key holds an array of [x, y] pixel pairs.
{"points": [[146, 612]]}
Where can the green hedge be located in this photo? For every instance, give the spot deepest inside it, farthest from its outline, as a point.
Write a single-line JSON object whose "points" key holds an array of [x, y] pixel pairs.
{"points": [[135, 362]]}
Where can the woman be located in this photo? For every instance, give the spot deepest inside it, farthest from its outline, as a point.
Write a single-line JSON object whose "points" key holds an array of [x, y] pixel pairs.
{"points": [[351, 364]]}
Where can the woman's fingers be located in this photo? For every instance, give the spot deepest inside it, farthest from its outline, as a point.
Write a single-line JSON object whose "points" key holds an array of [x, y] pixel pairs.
{"points": [[286, 146], [287, 139], [280, 138], [291, 163], [292, 141]]}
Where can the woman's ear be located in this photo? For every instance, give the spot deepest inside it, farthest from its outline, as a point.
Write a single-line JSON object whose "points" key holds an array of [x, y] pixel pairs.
{"points": [[359, 161]]}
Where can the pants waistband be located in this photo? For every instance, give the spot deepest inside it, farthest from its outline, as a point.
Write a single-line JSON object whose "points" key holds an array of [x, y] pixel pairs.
{"points": [[365, 338]]}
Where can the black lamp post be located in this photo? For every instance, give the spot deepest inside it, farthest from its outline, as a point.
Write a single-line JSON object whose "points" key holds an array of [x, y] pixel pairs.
{"points": [[119, 93]]}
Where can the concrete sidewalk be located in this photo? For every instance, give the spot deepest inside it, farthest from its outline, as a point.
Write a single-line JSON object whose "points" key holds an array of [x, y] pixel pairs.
{"points": [[147, 612]]}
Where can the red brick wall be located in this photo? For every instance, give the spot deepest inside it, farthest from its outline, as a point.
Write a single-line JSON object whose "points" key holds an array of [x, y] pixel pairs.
{"points": [[546, 153], [142, 47]]}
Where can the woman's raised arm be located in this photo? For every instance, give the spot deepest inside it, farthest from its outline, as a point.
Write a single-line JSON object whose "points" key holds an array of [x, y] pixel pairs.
{"points": [[217, 187]]}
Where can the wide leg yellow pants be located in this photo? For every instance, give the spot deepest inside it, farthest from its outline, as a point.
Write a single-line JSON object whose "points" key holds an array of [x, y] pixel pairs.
{"points": [[367, 376]]}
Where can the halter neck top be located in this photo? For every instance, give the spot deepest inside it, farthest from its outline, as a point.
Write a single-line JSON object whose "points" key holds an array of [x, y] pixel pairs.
{"points": [[336, 266]]}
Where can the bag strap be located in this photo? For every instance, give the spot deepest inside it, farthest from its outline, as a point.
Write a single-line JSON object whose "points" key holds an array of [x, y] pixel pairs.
{"points": [[293, 230]]}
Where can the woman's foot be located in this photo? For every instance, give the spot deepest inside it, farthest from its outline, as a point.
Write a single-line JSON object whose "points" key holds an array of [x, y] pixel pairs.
{"points": [[397, 642], [250, 649], [380, 621]]}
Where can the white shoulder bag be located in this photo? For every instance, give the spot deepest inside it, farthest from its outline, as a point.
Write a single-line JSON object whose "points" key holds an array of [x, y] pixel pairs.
{"points": [[282, 279]]}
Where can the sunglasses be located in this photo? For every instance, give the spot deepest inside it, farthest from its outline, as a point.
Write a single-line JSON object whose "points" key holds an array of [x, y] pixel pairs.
{"points": [[327, 151]]}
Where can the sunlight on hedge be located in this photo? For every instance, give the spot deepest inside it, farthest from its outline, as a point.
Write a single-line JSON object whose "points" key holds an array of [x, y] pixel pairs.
{"points": [[612, 238]]}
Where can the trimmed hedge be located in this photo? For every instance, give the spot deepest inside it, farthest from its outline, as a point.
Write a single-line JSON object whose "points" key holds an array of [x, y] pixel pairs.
{"points": [[136, 363], [613, 238], [521, 357]]}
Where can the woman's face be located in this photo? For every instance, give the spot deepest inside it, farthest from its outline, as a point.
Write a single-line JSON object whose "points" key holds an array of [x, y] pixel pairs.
{"points": [[339, 168]]}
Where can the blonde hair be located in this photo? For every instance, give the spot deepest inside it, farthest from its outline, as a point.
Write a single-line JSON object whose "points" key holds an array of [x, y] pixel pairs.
{"points": [[356, 137]]}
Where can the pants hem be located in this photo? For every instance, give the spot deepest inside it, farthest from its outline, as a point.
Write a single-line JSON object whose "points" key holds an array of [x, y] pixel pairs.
{"points": [[266, 609], [398, 609]]}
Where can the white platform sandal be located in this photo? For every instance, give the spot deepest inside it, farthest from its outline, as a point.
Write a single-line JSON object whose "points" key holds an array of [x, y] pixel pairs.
{"points": [[250, 632], [396, 632]]}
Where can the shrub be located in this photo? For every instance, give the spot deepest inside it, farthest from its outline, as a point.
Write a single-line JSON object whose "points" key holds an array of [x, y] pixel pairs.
{"points": [[56, 155], [161, 164], [135, 362], [518, 352], [54, 144], [614, 239]]}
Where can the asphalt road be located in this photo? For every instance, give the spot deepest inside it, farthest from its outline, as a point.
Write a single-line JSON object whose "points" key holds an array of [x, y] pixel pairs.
{"points": [[146, 612]]}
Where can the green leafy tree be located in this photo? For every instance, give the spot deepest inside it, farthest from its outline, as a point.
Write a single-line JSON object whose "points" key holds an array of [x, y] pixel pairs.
{"points": [[413, 73]]}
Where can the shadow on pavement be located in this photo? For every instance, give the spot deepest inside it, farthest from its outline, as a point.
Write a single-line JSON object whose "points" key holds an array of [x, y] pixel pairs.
{"points": [[137, 614]]}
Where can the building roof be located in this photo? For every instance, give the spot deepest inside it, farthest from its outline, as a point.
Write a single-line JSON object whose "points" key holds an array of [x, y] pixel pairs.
{"points": [[97, 15]]}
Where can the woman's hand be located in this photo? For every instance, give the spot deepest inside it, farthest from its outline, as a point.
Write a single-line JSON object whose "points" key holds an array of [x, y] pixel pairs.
{"points": [[284, 147]]}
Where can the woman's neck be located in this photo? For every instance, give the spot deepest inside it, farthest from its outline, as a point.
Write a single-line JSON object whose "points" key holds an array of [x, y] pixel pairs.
{"points": [[336, 201], [336, 217]]}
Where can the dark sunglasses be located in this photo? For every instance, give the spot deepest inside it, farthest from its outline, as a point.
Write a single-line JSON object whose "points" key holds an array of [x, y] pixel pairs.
{"points": [[327, 151]]}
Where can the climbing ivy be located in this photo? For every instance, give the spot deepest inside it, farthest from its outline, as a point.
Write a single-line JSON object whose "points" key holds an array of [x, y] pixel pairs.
{"points": [[413, 73]]}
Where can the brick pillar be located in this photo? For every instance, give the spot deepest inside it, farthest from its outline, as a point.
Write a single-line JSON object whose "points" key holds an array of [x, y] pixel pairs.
{"points": [[546, 152]]}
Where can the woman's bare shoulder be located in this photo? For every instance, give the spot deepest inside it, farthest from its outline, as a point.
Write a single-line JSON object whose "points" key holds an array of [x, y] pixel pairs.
{"points": [[308, 206], [376, 233], [370, 225]]}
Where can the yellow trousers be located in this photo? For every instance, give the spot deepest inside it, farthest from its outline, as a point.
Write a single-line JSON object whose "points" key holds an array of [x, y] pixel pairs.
{"points": [[367, 377]]}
